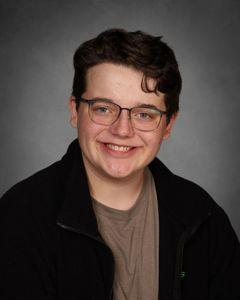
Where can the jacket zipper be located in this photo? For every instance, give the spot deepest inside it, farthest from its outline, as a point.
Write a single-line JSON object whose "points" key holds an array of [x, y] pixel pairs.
{"points": [[186, 235], [72, 229], [179, 260]]}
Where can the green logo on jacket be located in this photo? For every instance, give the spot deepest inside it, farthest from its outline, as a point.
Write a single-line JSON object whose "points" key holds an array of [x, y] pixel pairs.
{"points": [[183, 274]]}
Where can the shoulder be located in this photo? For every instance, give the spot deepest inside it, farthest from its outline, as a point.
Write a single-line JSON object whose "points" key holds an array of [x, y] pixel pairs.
{"points": [[191, 193], [45, 183], [31, 205], [198, 199], [36, 186], [195, 196], [188, 201], [29, 210]]}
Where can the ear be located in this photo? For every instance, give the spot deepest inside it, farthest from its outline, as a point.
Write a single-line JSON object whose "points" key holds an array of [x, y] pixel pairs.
{"points": [[169, 126], [73, 112]]}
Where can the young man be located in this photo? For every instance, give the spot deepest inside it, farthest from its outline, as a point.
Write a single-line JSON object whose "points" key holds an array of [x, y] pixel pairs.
{"points": [[109, 220]]}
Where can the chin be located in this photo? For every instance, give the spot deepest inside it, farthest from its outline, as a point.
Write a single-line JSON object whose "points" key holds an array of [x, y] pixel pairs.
{"points": [[119, 172]]}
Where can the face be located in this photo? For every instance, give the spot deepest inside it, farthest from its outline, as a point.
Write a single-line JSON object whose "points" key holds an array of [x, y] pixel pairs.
{"points": [[117, 151]]}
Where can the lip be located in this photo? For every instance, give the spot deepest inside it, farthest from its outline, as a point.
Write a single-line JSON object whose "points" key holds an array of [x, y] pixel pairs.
{"points": [[119, 145], [119, 154]]}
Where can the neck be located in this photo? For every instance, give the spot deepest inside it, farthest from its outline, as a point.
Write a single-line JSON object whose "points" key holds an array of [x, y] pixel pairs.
{"points": [[118, 193]]}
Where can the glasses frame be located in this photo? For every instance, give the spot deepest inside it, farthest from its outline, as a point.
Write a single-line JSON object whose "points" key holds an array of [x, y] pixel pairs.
{"points": [[90, 102]]}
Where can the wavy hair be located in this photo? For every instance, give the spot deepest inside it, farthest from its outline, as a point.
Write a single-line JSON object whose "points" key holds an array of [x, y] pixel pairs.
{"points": [[141, 51]]}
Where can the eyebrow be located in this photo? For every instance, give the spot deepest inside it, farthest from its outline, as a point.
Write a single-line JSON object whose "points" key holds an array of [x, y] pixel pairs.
{"points": [[147, 106], [144, 105], [102, 98]]}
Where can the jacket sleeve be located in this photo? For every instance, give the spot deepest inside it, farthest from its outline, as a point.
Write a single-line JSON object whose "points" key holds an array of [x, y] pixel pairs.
{"points": [[224, 259], [25, 268]]}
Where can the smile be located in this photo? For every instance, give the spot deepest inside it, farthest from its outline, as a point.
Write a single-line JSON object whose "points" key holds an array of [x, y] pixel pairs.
{"points": [[119, 148]]}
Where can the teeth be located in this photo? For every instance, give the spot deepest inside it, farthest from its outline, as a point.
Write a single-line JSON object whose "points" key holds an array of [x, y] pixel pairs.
{"points": [[118, 148]]}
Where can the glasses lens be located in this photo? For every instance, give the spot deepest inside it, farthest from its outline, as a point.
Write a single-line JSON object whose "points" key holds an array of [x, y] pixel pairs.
{"points": [[104, 112], [145, 119]]}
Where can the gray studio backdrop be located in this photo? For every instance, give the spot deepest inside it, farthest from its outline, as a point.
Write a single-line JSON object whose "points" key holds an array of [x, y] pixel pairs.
{"points": [[38, 39]]}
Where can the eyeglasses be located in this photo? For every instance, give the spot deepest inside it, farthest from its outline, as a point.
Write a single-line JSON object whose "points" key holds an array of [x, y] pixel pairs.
{"points": [[105, 112]]}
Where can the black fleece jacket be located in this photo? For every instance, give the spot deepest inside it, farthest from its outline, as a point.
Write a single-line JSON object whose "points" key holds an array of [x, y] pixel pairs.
{"points": [[50, 246]]}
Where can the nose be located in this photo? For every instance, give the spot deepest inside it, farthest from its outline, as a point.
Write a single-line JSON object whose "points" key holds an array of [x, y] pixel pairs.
{"points": [[123, 126]]}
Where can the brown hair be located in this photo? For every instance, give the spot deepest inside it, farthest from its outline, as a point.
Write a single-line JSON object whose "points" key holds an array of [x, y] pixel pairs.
{"points": [[146, 53]]}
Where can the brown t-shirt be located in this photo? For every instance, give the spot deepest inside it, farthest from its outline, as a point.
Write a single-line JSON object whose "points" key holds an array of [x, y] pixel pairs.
{"points": [[133, 237]]}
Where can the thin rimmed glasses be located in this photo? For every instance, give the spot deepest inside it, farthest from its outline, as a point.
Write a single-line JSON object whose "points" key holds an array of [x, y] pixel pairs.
{"points": [[105, 112]]}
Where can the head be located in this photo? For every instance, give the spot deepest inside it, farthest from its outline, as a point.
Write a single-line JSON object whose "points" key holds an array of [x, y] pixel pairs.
{"points": [[138, 50], [130, 69]]}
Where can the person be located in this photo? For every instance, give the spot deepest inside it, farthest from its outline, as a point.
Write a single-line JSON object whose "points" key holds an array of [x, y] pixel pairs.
{"points": [[110, 220]]}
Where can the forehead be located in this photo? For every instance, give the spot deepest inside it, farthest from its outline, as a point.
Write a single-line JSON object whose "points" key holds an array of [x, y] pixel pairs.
{"points": [[120, 83]]}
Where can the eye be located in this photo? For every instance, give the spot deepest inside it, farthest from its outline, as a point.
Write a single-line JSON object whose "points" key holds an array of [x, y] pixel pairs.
{"points": [[103, 108], [144, 116]]}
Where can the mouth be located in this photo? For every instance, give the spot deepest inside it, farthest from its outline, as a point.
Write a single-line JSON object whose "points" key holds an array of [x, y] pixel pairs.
{"points": [[119, 148]]}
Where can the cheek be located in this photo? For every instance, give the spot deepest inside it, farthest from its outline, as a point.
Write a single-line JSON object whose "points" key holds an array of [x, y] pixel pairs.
{"points": [[84, 123], [153, 139], [84, 128], [88, 131], [154, 143]]}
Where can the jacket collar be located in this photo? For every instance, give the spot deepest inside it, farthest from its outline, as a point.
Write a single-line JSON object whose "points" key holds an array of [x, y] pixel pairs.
{"points": [[181, 199], [76, 211]]}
